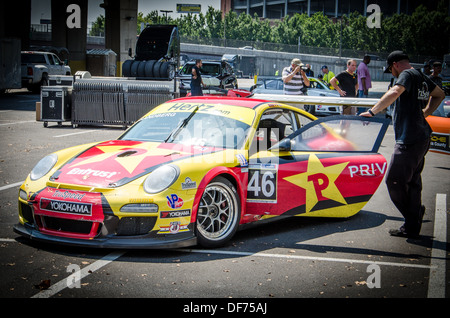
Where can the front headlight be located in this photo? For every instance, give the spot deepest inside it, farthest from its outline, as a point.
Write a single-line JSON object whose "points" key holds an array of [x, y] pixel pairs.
{"points": [[161, 178], [43, 167]]}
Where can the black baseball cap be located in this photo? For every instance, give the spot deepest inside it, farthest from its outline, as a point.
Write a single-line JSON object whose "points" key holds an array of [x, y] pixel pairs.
{"points": [[395, 56]]}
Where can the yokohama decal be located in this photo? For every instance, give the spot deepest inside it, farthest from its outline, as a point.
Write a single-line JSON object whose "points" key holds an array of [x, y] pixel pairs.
{"points": [[66, 207]]}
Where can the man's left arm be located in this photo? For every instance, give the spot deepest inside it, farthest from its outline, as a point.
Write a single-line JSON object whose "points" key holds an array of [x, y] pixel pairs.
{"points": [[436, 97], [305, 78]]}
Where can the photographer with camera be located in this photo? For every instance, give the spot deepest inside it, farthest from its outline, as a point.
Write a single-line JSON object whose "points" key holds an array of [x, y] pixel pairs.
{"points": [[294, 79]]}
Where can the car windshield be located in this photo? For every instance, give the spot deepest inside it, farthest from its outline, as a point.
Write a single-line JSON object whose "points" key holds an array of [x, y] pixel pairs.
{"points": [[207, 69], [192, 129]]}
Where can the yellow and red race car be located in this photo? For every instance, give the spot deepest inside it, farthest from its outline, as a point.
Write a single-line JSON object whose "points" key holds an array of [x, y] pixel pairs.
{"points": [[193, 169]]}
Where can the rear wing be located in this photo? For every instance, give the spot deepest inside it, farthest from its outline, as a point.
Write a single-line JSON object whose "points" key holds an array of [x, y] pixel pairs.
{"points": [[317, 100]]}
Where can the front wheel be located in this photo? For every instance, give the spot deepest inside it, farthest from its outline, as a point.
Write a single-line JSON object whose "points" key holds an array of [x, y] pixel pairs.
{"points": [[218, 214]]}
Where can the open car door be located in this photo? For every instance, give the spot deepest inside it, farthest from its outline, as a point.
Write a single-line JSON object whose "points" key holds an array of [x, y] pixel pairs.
{"points": [[328, 168]]}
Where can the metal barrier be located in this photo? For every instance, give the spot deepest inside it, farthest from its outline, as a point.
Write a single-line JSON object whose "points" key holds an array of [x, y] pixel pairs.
{"points": [[86, 105], [100, 102], [141, 98]]}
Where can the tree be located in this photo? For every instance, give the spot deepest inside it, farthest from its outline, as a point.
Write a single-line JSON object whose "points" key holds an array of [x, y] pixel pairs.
{"points": [[424, 32], [98, 27]]}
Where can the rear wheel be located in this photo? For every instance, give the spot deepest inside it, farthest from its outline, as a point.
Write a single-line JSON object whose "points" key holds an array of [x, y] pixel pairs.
{"points": [[218, 214]]}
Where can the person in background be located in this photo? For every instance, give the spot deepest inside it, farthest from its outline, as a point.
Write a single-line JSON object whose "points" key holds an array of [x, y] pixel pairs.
{"points": [[415, 97], [427, 68], [327, 75], [294, 78], [437, 79], [364, 79], [196, 79], [308, 71], [348, 85], [435, 74]]}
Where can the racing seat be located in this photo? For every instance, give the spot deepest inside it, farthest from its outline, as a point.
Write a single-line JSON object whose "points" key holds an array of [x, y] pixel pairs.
{"points": [[272, 131]]}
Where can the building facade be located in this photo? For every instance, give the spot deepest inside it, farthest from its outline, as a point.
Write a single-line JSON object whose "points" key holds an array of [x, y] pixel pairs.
{"points": [[276, 9]]}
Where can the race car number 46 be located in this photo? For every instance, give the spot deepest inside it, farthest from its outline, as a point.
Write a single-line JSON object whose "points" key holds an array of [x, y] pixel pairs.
{"points": [[262, 184]]}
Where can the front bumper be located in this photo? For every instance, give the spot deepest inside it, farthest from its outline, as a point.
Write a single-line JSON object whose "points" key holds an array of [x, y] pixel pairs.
{"points": [[328, 110], [81, 218], [113, 242]]}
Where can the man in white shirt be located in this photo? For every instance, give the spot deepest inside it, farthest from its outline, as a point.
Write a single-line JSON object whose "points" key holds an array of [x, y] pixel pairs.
{"points": [[294, 78]]}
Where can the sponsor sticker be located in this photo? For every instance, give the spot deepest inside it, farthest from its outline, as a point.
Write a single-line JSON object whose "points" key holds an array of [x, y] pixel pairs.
{"points": [[96, 173], [173, 228], [66, 207], [440, 142], [174, 202], [175, 214], [68, 195], [188, 184], [242, 161]]}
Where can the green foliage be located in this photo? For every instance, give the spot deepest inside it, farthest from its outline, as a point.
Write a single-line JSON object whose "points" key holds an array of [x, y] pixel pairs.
{"points": [[98, 27], [424, 32]]}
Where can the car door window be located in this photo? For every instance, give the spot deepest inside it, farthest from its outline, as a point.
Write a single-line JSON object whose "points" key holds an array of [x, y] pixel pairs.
{"points": [[50, 59], [274, 125], [301, 120], [341, 133], [57, 60]]}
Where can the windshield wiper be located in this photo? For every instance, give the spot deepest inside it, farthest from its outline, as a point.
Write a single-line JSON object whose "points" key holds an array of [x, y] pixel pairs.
{"points": [[181, 125]]}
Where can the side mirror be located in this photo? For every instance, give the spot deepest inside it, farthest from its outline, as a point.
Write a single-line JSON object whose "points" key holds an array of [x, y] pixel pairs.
{"points": [[130, 52], [284, 145]]}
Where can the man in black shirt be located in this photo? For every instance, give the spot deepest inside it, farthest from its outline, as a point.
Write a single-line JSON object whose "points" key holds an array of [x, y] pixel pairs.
{"points": [[348, 85], [196, 80], [415, 97]]}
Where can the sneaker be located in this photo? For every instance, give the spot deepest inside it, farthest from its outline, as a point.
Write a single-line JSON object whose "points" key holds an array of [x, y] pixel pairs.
{"points": [[401, 232]]}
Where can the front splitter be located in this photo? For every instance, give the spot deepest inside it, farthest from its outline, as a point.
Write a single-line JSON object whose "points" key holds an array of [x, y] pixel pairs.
{"points": [[137, 242]]}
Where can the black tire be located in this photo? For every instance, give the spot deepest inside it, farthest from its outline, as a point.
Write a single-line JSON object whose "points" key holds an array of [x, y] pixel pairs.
{"points": [[141, 69], [156, 69], [126, 68], [149, 68], [167, 71], [36, 88], [218, 214], [134, 68]]}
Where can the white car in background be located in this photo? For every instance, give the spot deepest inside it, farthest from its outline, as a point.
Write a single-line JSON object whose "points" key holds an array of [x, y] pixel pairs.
{"points": [[271, 85]]}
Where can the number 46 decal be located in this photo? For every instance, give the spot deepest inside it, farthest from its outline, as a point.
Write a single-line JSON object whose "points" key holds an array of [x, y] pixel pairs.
{"points": [[262, 183]]}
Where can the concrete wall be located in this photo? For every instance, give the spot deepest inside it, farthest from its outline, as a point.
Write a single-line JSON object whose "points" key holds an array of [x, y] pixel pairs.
{"points": [[269, 61]]}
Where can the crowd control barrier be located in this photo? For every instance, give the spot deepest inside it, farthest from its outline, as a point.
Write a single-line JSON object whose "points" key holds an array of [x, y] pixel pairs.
{"points": [[115, 102]]}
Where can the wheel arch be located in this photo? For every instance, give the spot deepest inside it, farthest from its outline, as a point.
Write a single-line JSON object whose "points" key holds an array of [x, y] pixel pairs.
{"points": [[226, 173]]}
